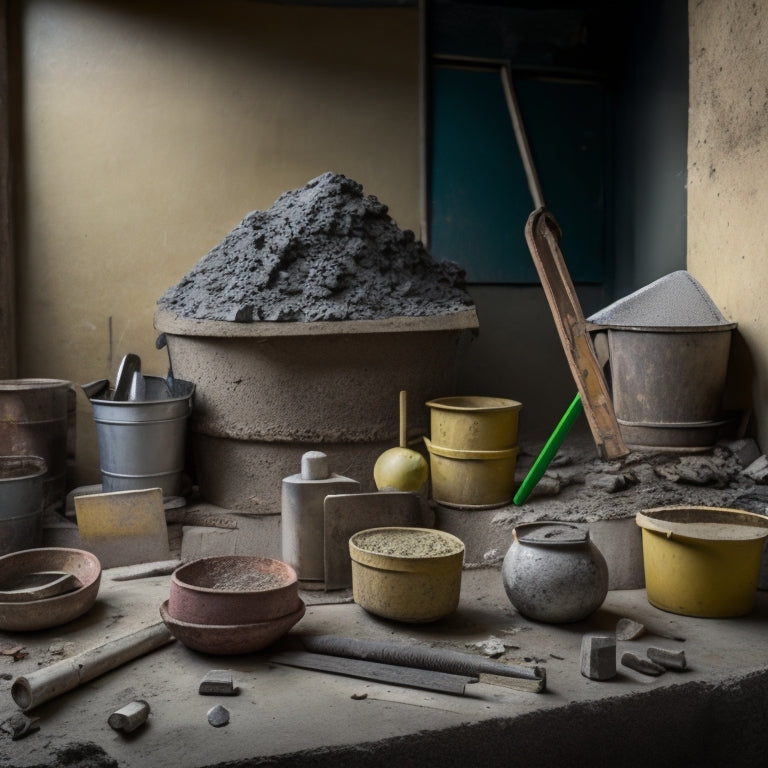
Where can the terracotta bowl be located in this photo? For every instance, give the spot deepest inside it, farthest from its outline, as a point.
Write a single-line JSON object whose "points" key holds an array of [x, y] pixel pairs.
{"points": [[52, 611], [232, 639], [233, 589]]}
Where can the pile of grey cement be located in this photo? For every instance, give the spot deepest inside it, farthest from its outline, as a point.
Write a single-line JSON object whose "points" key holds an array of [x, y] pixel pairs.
{"points": [[321, 252]]}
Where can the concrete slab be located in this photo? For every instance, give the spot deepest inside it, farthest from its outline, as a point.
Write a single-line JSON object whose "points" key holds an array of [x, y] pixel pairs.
{"points": [[709, 714]]}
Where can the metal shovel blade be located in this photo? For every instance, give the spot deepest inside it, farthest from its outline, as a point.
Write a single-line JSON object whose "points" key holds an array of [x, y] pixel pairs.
{"points": [[138, 389], [130, 364]]}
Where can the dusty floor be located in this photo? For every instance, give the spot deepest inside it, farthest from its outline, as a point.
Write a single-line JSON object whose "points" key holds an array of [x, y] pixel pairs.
{"points": [[711, 714], [288, 716]]}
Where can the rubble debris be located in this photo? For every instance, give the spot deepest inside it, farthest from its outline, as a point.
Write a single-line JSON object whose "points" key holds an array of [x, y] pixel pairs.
{"points": [[639, 664], [583, 488], [758, 470], [20, 725], [18, 652], [218, 682], [745, 450], [667, 659], [218, 716], [492, 647], [598, 657], [627, 629], [128, 718]]}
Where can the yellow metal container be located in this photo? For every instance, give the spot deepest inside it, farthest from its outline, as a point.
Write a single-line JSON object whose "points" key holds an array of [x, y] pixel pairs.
{"points": [[407, 574], [702, 561], [474, 423], [471, 479]]}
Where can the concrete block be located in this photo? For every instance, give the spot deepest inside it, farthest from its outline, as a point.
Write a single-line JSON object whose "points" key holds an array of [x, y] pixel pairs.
{"points": [[598, 657], [621, 542], [255, 536]]}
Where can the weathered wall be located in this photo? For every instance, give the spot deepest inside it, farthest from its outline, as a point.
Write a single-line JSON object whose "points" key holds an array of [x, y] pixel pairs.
{"points": [[727, 172], [150, 128]]}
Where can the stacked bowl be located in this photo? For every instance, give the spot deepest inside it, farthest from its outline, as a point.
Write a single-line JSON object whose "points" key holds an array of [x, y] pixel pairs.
{"points": [[232, 604], [473, 450]]}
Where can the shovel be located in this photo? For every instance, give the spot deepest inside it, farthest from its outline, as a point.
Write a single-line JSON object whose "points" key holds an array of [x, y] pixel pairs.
{"points": [[129, 365]]}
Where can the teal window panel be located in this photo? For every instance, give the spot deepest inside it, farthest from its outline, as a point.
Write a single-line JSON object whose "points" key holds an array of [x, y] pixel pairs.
{"points": [[479, 196]]}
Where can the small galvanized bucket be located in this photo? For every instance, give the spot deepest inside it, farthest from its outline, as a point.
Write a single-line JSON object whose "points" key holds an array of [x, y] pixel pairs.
{"points": [[22, 495], [142, 443]]}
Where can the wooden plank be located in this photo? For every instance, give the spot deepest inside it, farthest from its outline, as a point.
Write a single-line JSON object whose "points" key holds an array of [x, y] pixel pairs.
{"points": [[543, 235], [408, 677]]}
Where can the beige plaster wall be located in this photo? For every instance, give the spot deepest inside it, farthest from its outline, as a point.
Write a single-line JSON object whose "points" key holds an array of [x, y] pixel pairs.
{"points": [[728, 178], [151, 128]]}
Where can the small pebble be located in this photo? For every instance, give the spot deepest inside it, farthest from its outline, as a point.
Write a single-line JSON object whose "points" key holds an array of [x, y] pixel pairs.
{"points": [[668, 659], [218, 716], [627, 629], [22, 725], [646, 666]]}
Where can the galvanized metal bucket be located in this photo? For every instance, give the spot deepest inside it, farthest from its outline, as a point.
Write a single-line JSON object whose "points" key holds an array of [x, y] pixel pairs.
{"points": [[668, 385], [142, 443], [34, 421], [668, 350], [21, 502]]}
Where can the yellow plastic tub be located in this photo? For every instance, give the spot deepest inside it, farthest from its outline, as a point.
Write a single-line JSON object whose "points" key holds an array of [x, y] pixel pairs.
{"points": [[471, 479], [702, 561], [407, 574], [474, 423]]}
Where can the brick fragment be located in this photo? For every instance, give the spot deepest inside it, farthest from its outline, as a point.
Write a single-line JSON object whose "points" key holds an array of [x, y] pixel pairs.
{"points": [[598, 656]]}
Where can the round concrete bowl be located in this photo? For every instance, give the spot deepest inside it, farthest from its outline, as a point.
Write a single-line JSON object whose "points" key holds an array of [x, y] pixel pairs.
{"points": [[31, 615], [406, 574], [230, 639], [233, 589]]}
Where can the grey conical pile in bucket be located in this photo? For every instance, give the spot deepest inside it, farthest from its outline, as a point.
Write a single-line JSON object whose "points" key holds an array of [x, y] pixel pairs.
{"points": [[676, 300], [668, 350]]}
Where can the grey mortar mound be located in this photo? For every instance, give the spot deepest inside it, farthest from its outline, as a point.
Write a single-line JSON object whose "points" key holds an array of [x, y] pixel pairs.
{"points": [[322, 252]]}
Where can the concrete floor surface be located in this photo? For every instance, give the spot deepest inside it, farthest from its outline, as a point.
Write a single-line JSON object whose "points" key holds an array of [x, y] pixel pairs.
{"points": [[713, 713]]}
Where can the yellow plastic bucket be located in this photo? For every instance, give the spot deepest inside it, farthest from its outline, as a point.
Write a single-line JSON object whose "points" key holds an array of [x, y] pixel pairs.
{"points": [[407, 574], [471, 479], [474, 423], [702, 561]]}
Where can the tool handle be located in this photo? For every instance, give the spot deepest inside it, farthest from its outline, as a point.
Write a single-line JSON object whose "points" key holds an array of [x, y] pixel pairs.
{"points": [[548, 451], [403, 419]]}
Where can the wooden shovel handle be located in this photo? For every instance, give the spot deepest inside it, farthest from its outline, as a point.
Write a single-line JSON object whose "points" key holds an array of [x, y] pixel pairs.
{"points": [[543, 234]]}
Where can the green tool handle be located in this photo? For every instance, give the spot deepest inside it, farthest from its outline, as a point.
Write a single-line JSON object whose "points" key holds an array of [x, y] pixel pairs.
{"points": [[548, 451]]}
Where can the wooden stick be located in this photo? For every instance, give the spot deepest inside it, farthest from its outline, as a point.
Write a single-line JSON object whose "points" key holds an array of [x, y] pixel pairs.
{"points": [[403, 419], [44, 684]]}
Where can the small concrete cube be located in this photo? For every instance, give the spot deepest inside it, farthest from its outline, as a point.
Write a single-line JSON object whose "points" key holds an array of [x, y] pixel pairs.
{"points": [[598, 657]]}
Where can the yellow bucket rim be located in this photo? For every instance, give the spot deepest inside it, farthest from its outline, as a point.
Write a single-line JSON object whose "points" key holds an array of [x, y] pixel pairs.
{"points": [[714, 523], [458, 453], [474, 403]]}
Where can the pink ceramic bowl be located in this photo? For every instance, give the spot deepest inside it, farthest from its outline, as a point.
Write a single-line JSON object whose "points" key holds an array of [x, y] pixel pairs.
{"points": [[225, 640], [233, 590]]}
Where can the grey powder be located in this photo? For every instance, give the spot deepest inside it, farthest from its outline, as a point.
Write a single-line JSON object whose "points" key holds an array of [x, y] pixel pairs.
{"points": [[321, 252]]}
